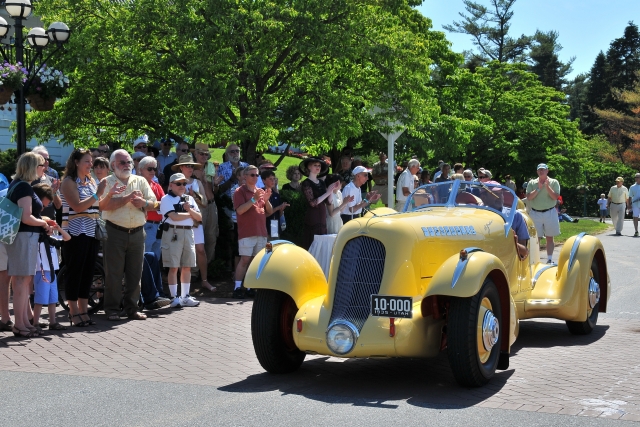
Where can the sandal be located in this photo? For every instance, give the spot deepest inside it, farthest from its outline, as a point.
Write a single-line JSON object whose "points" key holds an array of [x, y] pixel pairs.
{"points": [[137, 316], [87, 322], [80, 324], [6, 326], [208, 286], [113, 317], [57, 327], [23, 334]]}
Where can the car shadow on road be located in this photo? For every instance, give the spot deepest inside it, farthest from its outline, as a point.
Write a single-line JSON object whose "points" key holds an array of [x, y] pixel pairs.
{"points": [[376, 383], [553, 333]]}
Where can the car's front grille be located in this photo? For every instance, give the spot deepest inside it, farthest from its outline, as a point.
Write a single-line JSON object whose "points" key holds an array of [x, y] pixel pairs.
{"points": [[359, 277]]}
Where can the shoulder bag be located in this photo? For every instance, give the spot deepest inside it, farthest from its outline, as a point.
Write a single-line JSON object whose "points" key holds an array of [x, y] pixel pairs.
{"points": [[10, 217]]}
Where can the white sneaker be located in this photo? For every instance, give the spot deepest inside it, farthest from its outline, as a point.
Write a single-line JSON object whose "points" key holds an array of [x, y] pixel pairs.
{"points": [[190, 301], [176, 302]]}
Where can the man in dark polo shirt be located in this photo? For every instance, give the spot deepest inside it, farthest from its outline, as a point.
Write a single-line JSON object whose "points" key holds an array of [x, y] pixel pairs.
{"points": [[181, 148]]}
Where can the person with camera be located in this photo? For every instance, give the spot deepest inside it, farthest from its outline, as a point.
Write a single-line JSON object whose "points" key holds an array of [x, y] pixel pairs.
{"points": [[178, 246]]}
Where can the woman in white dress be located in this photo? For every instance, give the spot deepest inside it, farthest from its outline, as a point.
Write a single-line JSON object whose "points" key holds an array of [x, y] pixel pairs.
{"points": [[334, 210]]}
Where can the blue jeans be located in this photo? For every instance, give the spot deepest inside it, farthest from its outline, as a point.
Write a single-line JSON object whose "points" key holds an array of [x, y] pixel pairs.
{"points": [[151, 280], [151, 244]]}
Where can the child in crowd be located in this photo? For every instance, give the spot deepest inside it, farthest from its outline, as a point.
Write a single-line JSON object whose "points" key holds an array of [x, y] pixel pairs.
{"points": [[178, 245], [45, 285], [602, 202]]}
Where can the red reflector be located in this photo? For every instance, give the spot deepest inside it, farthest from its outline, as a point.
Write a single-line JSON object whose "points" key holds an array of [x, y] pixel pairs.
{"points": [[299, 325], [392, 327]]}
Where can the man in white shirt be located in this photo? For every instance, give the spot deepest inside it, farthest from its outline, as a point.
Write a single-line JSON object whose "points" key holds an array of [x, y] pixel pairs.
{"points": [[354, 209], [406, 183]]}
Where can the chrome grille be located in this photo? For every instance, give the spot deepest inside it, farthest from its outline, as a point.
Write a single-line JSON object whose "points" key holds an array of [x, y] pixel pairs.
{"points": [[359, 277]]}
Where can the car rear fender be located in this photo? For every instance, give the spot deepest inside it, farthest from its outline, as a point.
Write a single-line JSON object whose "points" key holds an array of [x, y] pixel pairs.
{"points": [[289, 269], [456, 278]]}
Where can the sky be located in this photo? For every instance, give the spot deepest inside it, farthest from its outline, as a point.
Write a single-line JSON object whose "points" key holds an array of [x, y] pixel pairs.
{"points": [[585, 27]]}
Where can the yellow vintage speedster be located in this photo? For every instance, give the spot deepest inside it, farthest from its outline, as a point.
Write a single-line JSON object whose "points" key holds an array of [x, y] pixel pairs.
{"points": [[444, 274]]}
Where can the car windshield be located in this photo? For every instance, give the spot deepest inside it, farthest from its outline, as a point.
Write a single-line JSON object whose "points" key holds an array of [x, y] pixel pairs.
{"points": [[473, 194]]}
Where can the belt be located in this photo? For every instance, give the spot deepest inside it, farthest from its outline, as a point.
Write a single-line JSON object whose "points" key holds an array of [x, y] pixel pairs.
{"points": [[617, 203], [181, 227], [153, 222], [126, 230], [543, 210]]}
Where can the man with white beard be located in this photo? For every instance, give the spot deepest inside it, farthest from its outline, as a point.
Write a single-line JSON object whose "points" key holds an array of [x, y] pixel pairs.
{"points": [[124, 207]]}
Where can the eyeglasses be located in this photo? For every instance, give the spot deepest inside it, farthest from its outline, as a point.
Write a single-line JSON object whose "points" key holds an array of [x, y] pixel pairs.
{"points": [[102, 151], [179, 184], [46, 159], [188, 166], [234, 151], [125, 162], [254, 175], [481, 176], [182, 150], [140, 146], [152, 169], [136, 160], [207, 155]]}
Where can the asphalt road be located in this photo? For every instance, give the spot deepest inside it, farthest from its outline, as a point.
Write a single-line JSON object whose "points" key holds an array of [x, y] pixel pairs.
{"points": [[33, 398]]}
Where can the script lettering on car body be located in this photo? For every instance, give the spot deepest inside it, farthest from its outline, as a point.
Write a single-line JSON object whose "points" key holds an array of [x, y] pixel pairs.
{"points": [[448, 230]]}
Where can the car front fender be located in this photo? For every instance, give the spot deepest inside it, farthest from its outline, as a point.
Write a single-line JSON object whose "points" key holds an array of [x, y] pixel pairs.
{"points": [[289, 269]]}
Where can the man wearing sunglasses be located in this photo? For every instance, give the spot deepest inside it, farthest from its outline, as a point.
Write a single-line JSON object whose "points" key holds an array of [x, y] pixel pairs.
{"points": [[166, 156], [52, 179], [226, 169], [182, 148], [128, 198], [140, 144]]}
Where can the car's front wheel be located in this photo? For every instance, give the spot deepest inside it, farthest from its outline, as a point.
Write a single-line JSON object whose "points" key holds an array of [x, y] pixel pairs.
{"points": [[593, 304], [272, 321], [473, 337]]}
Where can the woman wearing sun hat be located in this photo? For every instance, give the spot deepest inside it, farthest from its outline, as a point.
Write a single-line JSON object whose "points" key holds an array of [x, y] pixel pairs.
{"points": [[195, 188], [318, 196]]}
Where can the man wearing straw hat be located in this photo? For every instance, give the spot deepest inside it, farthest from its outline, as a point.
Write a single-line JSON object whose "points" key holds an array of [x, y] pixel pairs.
{"points": [[207, 175]]}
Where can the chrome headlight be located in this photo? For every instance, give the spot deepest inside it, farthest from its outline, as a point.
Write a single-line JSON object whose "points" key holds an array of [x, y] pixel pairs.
{"points": [[341, 337]]}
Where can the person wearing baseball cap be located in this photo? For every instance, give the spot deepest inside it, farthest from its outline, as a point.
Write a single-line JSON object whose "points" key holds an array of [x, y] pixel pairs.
{"points": [[542, 194], [618, 199], [634, 202], [354, 209], [140, 144]]}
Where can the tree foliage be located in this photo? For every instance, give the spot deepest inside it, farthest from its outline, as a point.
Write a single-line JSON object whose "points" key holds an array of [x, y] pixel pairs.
{"points": [[255, 72], [545, 61]]}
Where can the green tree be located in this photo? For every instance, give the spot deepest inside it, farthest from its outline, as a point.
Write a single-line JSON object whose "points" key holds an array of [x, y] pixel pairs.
{"points": [[504, 119], [489, 28], [545, 62], [623, 62], [255, 72]]}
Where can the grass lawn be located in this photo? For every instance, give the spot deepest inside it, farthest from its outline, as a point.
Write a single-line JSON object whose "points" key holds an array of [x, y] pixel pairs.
{"points": [[568, 229]]}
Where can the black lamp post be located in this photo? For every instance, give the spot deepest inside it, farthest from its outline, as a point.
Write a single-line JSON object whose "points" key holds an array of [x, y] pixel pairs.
{"points": [[38, 39]]}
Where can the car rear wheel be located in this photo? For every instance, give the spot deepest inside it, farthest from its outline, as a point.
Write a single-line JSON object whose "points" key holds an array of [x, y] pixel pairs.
{"points": [[473, 338], [593, 304], [272, 319]]}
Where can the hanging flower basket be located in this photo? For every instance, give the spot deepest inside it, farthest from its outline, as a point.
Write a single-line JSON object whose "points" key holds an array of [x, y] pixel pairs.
{"points": [[5, 94], [39, 103]]}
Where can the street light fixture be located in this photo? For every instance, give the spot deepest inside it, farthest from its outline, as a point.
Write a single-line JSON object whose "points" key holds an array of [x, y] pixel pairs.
{"points": [[38, 38]]}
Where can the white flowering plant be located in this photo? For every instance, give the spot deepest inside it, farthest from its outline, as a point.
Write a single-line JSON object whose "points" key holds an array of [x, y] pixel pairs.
{"points": [[12, 75], [49, 83]]}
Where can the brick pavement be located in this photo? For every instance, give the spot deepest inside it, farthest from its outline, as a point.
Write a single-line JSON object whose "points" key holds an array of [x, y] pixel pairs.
{"points": [[551, 371]]}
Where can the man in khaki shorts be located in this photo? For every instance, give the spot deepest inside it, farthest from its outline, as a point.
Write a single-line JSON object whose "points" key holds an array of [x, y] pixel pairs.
{"points": [[542, 194], [178, 245]]}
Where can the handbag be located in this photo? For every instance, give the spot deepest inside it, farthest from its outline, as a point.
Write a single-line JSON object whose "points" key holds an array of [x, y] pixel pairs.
{"points": [[101, 230], [10, 216]]}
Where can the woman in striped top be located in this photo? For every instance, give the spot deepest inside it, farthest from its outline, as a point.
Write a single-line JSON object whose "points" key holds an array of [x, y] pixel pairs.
{"points": [[80, 195]]}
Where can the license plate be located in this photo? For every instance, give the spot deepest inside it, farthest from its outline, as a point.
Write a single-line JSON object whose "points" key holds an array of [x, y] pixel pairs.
{"points": [[390, 306]]}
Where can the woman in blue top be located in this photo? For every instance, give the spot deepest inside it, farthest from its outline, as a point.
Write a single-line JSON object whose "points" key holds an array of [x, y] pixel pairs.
{"points": [[22, 254]]}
